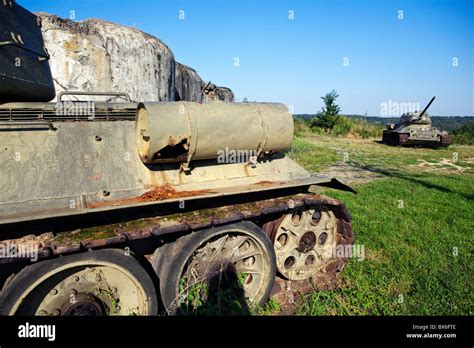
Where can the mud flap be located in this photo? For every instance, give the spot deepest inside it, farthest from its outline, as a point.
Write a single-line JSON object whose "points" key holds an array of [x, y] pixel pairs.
{"points": [[337, 185]]}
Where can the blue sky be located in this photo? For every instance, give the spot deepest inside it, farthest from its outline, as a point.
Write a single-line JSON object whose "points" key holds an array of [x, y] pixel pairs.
{"points": [[402, 57]]}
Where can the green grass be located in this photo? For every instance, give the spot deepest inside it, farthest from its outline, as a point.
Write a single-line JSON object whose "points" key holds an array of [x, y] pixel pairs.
{"points": [[305, 152], [226, 299], [317, 152], [419, 257], [344, 126]]}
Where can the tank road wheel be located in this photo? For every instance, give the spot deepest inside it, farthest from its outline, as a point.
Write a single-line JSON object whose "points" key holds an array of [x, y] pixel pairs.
{"points": [[305, 246], [104, 282], [220, 270]]}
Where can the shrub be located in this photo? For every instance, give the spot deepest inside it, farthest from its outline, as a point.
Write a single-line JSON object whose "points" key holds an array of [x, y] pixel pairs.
{"points": [[302, 126], [361, 128], [357, 128], [464, 135], [342, 127]]}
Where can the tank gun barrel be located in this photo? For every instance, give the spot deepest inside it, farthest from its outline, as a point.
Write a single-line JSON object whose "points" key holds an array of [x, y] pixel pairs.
{"points": [[427, 106]]}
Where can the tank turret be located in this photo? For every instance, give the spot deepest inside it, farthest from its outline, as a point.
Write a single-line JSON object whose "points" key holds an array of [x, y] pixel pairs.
{"points": [[25, 74], [414, 128]]}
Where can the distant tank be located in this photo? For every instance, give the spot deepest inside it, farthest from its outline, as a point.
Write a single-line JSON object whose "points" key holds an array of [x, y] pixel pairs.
{"points": [[414, 128], [106, 207]]}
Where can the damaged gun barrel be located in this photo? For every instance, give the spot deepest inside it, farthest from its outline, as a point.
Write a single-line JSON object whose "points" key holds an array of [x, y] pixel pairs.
{"points": [[184, 131]]}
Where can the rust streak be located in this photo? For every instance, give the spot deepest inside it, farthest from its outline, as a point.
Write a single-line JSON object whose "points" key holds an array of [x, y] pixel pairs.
{"points": [[265, 183], [158, 193]]}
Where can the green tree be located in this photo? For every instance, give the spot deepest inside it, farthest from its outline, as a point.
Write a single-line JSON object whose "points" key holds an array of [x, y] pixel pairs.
{"points": [[465, 134], [329, 114]]}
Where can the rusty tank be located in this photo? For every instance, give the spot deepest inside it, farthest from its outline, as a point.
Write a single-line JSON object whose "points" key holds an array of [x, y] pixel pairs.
{"points": [[415, 129], [143, 208]]}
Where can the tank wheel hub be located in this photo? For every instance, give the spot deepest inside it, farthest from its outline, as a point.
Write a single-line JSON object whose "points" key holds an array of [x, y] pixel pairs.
{"points": [[90, 291], [85, 305], [226, 257], [303, 241]]}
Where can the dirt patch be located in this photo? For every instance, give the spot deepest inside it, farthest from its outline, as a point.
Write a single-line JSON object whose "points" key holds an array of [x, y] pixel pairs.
{"points": [[444, 164], [339, 139], [351, 175], [469, 160], [377, 255]]}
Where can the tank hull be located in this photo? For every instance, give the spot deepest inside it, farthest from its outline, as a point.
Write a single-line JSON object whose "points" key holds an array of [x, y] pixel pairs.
{"points": [[395, 138], [66, 167]]}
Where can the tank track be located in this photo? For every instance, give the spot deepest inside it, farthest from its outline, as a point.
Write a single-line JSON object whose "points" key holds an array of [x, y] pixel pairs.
{"points": [[395, 139], [446, 140], [402, 139], [49, 245]]}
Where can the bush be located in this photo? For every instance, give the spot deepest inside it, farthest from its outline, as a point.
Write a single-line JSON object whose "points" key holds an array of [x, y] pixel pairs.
{"points": [[302, 126], [327, 122], [357, 128], [361, 128], [464, 135], [342, 127]]}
